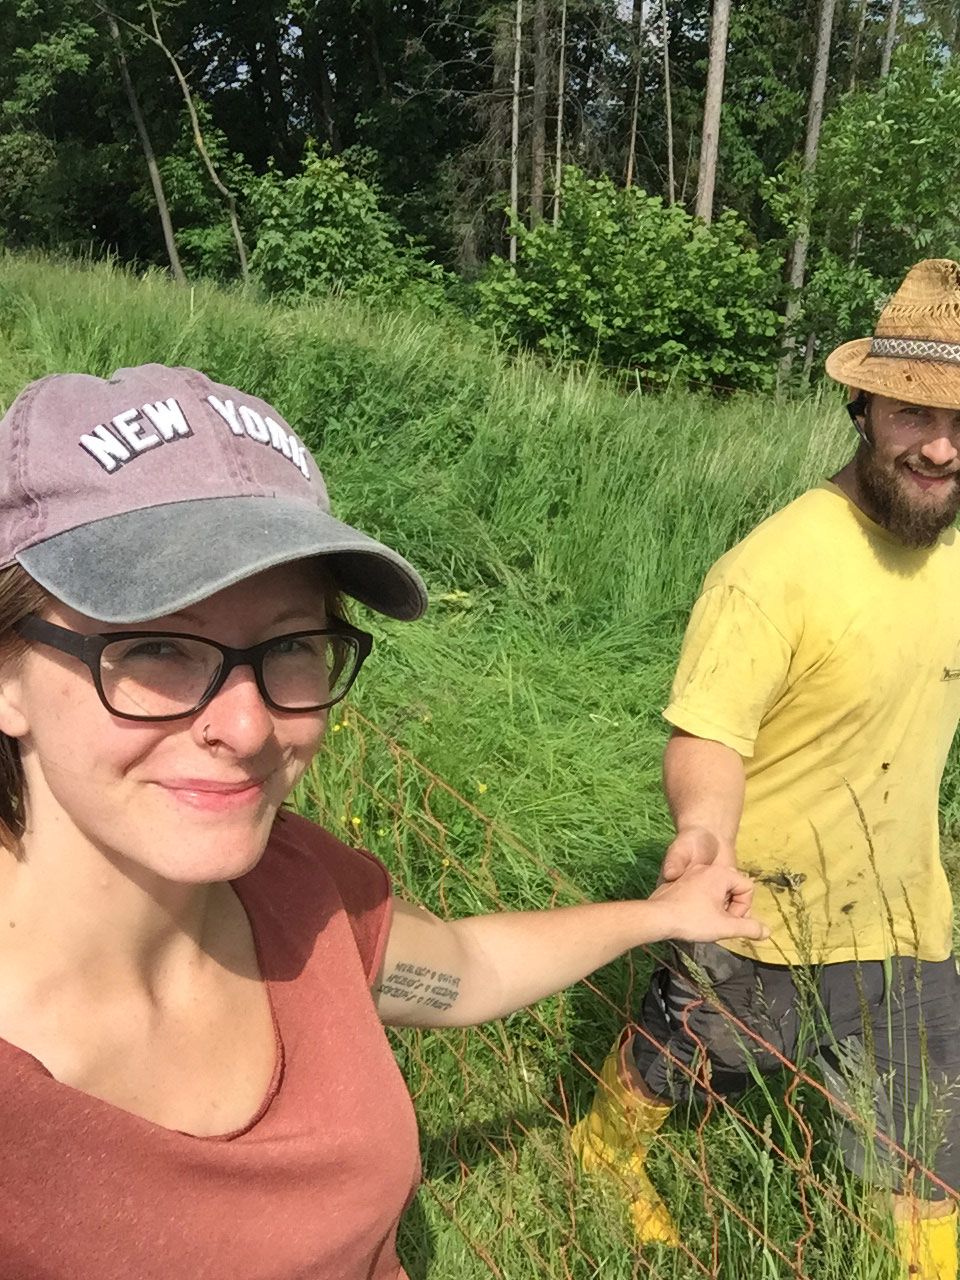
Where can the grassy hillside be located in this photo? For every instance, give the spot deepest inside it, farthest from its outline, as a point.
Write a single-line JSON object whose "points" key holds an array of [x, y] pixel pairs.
{"points": [[563, 530]]}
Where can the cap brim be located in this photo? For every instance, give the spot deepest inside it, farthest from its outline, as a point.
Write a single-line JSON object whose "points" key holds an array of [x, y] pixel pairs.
{"points": [[929, 382], [151, 562]]}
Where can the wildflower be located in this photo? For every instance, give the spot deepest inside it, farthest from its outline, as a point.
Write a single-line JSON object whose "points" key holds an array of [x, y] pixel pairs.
{"points": [[356, 822], [381, 831], [444, 862], [481, 787], [336, 728]]}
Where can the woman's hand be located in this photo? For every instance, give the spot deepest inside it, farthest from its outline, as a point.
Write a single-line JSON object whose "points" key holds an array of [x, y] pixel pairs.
{"points": [[709, 903], [457, 973]]}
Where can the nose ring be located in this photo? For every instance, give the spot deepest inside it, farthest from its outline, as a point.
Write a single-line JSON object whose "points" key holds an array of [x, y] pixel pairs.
{"points": [[203, 733]]}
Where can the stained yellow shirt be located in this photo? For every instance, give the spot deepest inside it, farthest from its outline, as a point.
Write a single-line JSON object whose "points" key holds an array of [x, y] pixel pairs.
{"points": [[828, 655]]}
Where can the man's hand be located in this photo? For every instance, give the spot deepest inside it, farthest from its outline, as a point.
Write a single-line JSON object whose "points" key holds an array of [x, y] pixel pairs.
{"points": [[710, 903], [695, 847]]}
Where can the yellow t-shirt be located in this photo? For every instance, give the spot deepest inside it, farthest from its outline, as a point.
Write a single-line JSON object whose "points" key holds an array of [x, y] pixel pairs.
{"points": [[828, 655]]}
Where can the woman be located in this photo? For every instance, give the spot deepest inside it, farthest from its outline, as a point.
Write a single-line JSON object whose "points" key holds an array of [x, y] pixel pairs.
{"points": [[195, 1076]]}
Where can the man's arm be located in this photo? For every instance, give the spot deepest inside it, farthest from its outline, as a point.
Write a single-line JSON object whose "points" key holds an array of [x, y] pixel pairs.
{"points": [[704, 783]]}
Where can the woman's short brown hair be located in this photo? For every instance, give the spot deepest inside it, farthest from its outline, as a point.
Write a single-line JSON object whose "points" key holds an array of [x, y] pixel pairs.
{"points": [[19, 595]]}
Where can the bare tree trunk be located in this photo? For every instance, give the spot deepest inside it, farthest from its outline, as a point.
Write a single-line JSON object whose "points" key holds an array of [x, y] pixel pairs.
{"points": [[798, 262], [637, 74], [155, 180], [668, 99], [318, 81], [891, 39], [710, 138], [515, 131], [538, 130], [561, 85], [215, 178], [857, 43]]}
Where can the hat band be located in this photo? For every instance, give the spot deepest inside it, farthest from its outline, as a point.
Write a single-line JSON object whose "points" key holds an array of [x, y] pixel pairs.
{"points": [[916, 349]]}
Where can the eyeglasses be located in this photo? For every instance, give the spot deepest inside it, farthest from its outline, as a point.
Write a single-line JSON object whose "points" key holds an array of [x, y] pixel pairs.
{"points": [[165, 675]]}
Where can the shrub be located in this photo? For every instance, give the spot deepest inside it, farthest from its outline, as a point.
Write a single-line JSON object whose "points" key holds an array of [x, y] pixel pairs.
{"points": [[641, 287], [323, 231]]}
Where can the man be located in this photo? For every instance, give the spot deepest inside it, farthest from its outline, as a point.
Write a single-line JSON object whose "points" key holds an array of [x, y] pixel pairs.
{"points": [[816, 697]]}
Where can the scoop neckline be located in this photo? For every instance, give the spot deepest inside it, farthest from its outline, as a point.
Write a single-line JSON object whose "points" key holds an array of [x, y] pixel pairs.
{"points": [[266, 1102]]}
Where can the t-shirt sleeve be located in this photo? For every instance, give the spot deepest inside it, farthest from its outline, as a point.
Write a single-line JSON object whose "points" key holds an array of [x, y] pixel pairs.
{"points": [[306, 875], [367, 895], [733, 666]]}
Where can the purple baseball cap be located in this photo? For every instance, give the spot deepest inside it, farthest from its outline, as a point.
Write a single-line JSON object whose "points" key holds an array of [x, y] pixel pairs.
{"points": [[132, 497]]}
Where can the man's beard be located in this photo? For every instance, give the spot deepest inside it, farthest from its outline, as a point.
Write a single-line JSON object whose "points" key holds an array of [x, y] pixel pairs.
{"points": [[914, 523]]}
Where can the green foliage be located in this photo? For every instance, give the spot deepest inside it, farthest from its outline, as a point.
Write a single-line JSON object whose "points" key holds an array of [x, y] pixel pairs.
{"points": [[888, 174], [642, 287], [323, 231], [199, 212]]}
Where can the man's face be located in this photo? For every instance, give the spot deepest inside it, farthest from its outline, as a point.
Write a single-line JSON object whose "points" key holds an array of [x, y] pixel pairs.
{"points": [[908, 469]]}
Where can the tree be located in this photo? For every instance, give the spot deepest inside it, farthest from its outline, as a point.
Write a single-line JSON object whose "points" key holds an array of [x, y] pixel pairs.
{"points": [[798, 259], [156, 181], [538, 122], [515, 129], [668, 99], [637, 50], [891, 39], [558, 160], [710, 137]]}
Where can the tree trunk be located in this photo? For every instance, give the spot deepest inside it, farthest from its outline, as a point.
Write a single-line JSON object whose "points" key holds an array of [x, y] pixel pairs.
{"points": [[373, 39], [668, 100], [857, 43], [515, 131], [561, 84], [319, 88], [637, 75], [710, 138], [891, 39], [798, 262], [538, 127], [228, 196], [156, 181], [273, 73]]}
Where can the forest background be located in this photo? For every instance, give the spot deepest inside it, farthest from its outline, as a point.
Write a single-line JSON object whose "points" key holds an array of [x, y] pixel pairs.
{"points": [[681, 191]]}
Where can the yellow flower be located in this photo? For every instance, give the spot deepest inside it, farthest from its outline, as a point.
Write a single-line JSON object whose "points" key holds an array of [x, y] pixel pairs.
{"points": [[355, 821], [481, 787], [444, 862], [336, 728], [381, 831]]}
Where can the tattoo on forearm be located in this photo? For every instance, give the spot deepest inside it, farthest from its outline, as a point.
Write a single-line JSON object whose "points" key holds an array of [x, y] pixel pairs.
{"points": [[419, 984]]}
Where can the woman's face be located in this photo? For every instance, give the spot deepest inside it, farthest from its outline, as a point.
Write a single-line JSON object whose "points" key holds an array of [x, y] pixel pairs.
{"points": [[156, 794]]}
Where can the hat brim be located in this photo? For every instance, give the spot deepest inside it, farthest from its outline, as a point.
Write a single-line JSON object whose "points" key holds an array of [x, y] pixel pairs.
{"points": [[147, 563], [930, 382]]}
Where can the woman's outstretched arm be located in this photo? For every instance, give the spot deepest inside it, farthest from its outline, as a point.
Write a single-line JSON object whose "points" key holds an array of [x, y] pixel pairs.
{"points": [[456, 973]]}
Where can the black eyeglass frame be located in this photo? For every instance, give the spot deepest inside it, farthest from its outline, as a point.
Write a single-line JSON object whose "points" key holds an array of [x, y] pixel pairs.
{"points": [[89, 650]]}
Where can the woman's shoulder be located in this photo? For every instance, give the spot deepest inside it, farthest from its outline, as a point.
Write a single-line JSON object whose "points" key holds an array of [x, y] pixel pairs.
{"points": [[308, 878]]}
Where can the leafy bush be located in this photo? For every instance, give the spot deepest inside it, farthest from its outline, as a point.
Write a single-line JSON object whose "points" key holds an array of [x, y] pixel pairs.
{"points": [[323, 231], [641, 287]]}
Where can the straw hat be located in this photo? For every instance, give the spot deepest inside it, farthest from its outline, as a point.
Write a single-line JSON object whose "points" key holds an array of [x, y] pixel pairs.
{"points": [[914, 354]]}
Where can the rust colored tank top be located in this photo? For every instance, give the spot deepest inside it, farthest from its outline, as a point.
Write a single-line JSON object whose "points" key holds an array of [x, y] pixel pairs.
{"points": [[311, 1189]]}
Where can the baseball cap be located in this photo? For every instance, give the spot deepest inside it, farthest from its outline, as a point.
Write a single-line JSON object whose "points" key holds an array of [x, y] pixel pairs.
{"points": [[134, 496]]}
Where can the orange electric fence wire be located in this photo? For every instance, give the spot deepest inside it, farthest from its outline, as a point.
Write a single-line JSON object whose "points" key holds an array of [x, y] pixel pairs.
{"points": [[572, 1228]]}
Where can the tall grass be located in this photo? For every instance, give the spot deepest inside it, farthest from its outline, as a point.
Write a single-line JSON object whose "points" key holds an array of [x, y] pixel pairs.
{"points": [[563, 530]]}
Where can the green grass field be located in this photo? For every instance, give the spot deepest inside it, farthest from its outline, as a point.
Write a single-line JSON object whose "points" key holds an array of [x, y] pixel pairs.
{"points": [[563, 530]]}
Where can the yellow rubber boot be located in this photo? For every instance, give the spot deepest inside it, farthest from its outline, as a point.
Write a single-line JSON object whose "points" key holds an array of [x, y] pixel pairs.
{"points": [[614, 1138], [927, 1247]]}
